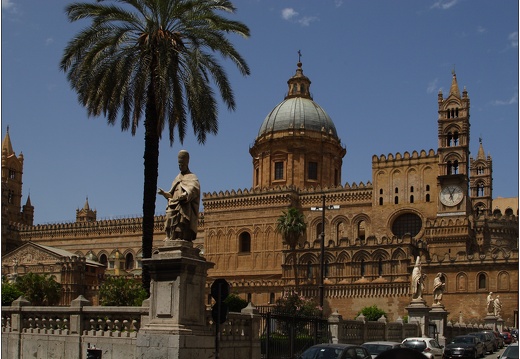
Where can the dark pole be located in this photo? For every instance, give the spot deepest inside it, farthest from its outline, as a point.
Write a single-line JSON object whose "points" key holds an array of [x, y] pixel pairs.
{"points": [[322, 257]]}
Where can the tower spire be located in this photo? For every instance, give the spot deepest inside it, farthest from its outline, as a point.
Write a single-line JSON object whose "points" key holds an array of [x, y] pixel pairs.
{"points": [[454, 89]]}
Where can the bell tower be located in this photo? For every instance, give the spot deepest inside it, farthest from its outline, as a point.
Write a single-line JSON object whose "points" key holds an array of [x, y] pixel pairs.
{"points": [[12, 173], [481, 182], [453, 151]]}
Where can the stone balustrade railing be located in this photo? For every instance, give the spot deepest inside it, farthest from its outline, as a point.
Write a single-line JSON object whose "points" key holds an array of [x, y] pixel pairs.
{"points": [[67, 332]]}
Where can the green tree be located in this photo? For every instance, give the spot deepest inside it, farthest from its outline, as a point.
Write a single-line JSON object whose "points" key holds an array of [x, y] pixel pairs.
{"points": [[291, 225], [121, 291], [372, 313], [153, 58], [9, 293], [235, 303], [39, 289]]}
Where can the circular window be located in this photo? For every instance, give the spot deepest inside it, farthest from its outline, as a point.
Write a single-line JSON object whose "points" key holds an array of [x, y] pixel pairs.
{"points": [[408, 223]]}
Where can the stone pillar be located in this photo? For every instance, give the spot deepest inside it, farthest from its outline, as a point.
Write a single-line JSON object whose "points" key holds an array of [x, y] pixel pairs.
{"points": [[418, 312], [490, 321], [176, 327], [334, 320], [439, 317]]}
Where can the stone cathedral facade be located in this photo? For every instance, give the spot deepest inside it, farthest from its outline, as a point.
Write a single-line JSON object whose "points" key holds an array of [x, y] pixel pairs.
{"points": [[433, 204]]}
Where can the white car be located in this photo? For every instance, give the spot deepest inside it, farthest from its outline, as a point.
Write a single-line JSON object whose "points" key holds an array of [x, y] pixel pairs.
{"points": [[511, 352], [428, 346]]}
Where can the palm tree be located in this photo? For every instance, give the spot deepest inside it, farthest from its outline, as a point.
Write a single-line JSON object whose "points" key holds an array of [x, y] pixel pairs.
{"points": [[291, 225], [153, 58]]}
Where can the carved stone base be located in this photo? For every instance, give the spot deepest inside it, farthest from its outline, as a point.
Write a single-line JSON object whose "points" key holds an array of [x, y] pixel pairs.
{"points": [[176, 326]]}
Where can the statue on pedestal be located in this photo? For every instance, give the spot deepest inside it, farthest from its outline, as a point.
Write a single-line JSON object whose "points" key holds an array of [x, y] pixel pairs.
{"points": [[417, 280], [497, 306], [490, 306], [182, 212], [438, 289]]}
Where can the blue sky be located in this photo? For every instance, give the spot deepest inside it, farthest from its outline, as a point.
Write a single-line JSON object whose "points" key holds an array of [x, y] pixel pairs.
{"points": [[376, 68]]}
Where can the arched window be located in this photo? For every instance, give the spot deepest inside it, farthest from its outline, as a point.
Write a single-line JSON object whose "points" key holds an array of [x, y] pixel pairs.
{"points": [[271, 298], [244, 243], [482, 281], [103, 259], [362, 267], [380, 267], [480, 190], [428, 197], [411, 198], [319, 230], [129, 261], [309, 270], [380, 201], [361, 230], [396, 200]]}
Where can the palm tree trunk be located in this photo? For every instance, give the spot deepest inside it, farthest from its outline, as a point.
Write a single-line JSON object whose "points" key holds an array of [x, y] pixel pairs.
{"points": [[295, 268], [151, 173]]}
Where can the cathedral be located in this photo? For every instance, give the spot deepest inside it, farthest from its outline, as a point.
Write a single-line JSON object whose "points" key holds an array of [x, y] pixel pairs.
{"points": [[362, 240]]}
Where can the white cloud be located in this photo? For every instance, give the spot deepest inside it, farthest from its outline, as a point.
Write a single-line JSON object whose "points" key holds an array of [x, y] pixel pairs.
{"points": [[289, 13], [338, 3], [444, 4], [49, 41], [306, 20], [432, 86], [8, 5], [513, 37], [481, 29], [511, 101]]}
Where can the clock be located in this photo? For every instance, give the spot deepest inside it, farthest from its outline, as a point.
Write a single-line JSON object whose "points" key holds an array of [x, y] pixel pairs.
{"points": [[451, 195]]}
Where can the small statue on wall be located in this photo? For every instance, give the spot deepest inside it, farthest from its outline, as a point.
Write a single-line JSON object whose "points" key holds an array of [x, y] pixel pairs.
{"points": [[438, 289], [497, 306], [417, 280], [182, 212], [490, 306]]}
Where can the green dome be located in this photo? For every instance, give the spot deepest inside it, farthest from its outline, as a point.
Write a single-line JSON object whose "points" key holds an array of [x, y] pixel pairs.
{"points": [[298, 113]]}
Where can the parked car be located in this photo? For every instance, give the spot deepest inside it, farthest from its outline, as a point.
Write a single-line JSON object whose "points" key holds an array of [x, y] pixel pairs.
{"points": [[464, 346], [511, 352], [335, 351], [428, 346], [498, 343], [508, 338], [488, 340], [376, 348]]}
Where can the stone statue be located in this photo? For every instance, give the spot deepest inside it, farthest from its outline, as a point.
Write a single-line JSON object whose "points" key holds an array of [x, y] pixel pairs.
{"points": [[490, 306], [438, 289], [417, 280], [497, 306], [182, 212]]}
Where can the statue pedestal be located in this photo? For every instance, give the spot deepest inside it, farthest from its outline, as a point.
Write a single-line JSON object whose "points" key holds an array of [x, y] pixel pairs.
{"points": [[492, 321], [418, 312], [176, 327], [439, 317]]}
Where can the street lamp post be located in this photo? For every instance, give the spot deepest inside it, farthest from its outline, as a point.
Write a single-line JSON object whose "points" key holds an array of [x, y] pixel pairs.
{"points": [[322, 255]]}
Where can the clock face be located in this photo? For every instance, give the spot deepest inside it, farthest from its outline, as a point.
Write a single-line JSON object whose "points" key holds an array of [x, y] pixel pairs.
{"points": [[451, 195]]}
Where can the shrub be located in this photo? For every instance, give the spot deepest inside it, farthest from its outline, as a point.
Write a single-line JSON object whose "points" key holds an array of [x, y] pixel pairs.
{"points": [[120, 291], [9, 293], [372, 313], [235, 303]]}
